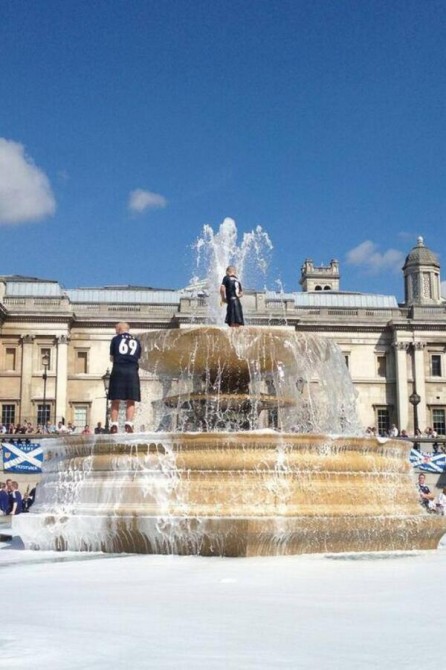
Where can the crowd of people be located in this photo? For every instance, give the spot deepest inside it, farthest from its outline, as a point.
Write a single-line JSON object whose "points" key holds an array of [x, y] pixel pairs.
{"points": [[12, 501], [61, 428], [394, 432]]}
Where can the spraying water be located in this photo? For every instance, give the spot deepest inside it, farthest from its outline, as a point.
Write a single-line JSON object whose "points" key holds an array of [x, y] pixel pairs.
{"points": [[216, 250]]}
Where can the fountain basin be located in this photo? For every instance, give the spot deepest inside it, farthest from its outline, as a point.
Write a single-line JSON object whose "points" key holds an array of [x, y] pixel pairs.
{"points": [[227, 494]]}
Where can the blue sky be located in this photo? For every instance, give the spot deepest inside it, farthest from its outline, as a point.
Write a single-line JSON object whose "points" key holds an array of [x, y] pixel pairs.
{"points": [[126, 126]]}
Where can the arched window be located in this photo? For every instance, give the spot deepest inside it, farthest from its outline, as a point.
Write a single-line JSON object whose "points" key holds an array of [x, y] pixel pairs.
{"points": [[318, 288]]}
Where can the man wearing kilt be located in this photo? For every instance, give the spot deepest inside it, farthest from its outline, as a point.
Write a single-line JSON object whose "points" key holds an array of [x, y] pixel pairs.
{"points": [[230, 292], [125, 352]]}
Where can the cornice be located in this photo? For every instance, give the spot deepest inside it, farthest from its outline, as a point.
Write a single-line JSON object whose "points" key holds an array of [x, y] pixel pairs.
{"points": [[39, 318], [110, 323], [416, 326]]}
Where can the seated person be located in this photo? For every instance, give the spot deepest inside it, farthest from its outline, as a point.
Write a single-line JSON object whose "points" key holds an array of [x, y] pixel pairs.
{"points": [[426, 497]]}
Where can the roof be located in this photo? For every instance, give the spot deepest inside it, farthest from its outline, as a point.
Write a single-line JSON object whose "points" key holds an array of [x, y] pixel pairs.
{"points": [[28, 287], [421, 255], [24, 288], [123, 295], [341, 299], [23, 278]]}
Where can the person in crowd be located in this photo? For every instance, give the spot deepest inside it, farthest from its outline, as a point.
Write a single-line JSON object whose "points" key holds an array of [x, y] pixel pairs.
{"points": [[62, 428], [125, 352], [4, 499], [28, 499], [71, 428], [230, 292], [426, 497], [87, 430], [15, 499], [404, 435], [433, 435], [393, 432], [99, 430], [441, 503]]}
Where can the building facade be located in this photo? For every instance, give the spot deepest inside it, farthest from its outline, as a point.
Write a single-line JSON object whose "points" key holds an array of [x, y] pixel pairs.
{"points": [[54, 342]]}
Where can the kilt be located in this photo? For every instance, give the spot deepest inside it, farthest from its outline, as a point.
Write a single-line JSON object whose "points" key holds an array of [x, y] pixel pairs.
{"points": [[234, 312], [124, 383]]}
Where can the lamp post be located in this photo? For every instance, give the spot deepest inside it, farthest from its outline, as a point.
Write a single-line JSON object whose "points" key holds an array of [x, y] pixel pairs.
{"points": [[106, 380], [45, 363], [300, 384], [415, 400]]}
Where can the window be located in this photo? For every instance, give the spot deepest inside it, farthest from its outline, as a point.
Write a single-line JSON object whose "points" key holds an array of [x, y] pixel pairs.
{"points": [[381, 366], [10, 359], [81, 362], [45, 353], [436, 365], [8, 414], [347, 360], [43, 414], [80, 416], [382, 420], [438, 421]]}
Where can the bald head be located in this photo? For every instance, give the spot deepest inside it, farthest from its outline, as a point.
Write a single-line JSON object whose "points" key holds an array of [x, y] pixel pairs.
{"points": [[122, 327]]}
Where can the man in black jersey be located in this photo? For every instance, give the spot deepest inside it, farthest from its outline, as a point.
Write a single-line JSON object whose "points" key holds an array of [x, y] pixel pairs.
{"points": [[230, 292], [125, 351]]}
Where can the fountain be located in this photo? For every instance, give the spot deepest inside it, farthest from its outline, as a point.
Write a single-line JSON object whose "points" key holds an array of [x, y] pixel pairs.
{"points": [[256, 450]]}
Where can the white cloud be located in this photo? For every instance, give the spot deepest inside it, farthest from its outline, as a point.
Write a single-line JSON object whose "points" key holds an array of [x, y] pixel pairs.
{"points": [[367, 255], [140, 200], [25, 190]]}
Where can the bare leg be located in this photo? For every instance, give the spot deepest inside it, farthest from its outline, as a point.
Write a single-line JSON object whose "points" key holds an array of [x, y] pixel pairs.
{"points": [[130, 411], [114, 412]]}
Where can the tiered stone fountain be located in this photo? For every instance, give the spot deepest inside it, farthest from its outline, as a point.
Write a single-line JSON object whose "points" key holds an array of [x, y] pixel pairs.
{"points": [[256, 451]]}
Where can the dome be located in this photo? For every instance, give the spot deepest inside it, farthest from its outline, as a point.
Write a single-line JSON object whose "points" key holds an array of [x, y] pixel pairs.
{"points": [[421, 255]]}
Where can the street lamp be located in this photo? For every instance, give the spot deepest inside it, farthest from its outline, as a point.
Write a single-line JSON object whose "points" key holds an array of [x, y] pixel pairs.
{"points": [[415, 400], [46, 364], [106, 380], [300, 384]]}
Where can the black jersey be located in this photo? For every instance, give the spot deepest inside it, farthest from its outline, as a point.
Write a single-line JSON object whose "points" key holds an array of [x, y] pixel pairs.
{"points": [[125, 349], [232, 286]]}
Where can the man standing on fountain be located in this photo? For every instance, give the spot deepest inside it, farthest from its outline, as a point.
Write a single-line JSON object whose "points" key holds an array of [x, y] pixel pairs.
{"points": [[231, 291], [125, 351]]}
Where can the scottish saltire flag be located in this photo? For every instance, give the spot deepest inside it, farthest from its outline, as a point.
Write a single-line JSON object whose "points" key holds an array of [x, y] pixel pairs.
{"points": [[428, 462], [21, 457]]}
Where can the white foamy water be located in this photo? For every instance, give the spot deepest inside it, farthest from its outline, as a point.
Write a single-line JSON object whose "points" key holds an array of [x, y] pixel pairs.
{"points": [[349, 612]]}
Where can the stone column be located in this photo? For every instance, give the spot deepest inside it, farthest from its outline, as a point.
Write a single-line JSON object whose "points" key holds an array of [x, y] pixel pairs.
{"points": [[26, 408], [402, 395], [420, 382], [61, 381]]}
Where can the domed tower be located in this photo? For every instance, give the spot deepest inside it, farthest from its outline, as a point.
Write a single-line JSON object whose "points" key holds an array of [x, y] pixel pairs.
{"points": [[422, 276]]}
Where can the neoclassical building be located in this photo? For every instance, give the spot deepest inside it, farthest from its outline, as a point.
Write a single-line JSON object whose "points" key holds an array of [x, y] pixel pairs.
{"points": [[54, 342]]}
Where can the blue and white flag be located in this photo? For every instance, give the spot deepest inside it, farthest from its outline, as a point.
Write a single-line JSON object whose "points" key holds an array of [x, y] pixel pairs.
{"points": [[21, 457], [428, 462]]}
